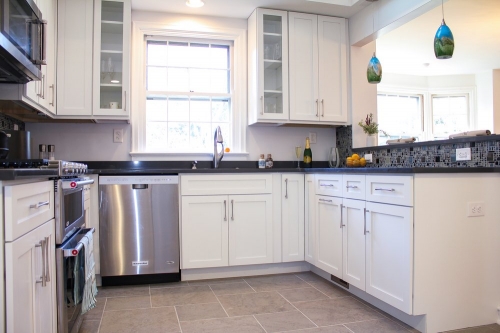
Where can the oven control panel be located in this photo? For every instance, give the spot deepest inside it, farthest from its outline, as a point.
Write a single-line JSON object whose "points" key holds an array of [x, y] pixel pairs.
{"points": [[68, 168]]}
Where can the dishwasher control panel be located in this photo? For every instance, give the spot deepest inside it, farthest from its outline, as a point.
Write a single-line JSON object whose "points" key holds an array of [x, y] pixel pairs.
{"points": [[131, 180]]}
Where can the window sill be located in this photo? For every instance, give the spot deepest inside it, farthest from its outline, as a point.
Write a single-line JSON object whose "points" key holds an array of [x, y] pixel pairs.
{"points": [[176, 156]]}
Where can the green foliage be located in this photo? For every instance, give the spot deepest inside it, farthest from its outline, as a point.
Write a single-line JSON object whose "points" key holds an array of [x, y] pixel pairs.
{"points": [[368, 125]]}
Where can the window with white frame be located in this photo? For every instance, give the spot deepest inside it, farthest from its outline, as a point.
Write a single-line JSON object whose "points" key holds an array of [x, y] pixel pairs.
{"points": [[188, 93], [450, 114], [399, 116]]}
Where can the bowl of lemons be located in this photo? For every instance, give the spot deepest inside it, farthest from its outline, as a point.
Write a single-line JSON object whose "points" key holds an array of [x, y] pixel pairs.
{"points": [[355, 161]]}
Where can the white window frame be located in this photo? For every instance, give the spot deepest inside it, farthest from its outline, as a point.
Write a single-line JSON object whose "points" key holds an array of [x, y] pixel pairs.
{"points": [[140, 30], [427, 94]]}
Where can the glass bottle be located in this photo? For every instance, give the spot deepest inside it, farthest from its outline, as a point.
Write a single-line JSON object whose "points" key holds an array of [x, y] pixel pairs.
{"points": [[269, 162], [307, 155], [262, 162]]}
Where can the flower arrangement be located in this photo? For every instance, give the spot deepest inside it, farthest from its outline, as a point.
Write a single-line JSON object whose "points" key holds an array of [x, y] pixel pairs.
{"points": [[368, 125]]}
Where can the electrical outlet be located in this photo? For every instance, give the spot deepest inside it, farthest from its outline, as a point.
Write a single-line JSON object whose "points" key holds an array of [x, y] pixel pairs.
{"points": [[312, 137], [368, 158], [463, 154], [118, 135], [475, 209]]}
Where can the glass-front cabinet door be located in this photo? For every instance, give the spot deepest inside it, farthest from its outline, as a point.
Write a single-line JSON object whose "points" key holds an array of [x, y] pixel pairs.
{"points": [[268, 65], [112, 23]]}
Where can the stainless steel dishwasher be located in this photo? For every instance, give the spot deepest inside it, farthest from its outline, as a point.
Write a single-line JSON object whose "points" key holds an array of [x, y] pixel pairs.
{"points": [[139, 229]]}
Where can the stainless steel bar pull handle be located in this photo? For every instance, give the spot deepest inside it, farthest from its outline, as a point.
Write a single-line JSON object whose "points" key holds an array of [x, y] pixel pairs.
{"points": [[286, 188], [317, 109], [351, 186], [366, 211], [385, 189], [327, 185], [43, 47], [225, 210], [40, 204], [53, 94], [324, 200], [42, 278], [322, 108], [341, 216], [47, 266], [364, 228], [232, 210], [125, 101], [262, 102]]}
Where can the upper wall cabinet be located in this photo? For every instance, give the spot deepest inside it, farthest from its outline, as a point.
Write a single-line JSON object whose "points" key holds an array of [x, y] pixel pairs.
{"points": [[111, 58], [94, 59], [267, 66], [318, 69]]}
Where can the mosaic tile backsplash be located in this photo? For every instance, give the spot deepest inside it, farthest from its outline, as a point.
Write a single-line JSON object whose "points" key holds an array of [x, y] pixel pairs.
{"points": [[7, 123], [433, 155]]}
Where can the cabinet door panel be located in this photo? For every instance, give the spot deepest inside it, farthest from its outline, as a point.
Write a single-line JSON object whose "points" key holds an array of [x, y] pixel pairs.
{"points": [[303, 53], [292, 207], [389, 254], [332, 69], [250, 229], [204, 231], [74, 57], [329, 234], [310, 220], [354, 242]]}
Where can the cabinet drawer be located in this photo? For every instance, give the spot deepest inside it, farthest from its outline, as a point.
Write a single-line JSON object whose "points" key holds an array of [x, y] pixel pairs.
{"points": [[396, 190], [354, 186], [329, 185], [27, 206], [226, 184]]}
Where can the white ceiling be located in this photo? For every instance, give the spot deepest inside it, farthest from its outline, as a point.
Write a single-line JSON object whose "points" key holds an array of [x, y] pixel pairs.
{"points": [[243, 8], [475, 26]]}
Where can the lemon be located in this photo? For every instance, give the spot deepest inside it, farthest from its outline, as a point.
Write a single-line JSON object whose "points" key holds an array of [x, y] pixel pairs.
{"points": [[362, 162], [355, 163], [355, 157], [349, 158]]}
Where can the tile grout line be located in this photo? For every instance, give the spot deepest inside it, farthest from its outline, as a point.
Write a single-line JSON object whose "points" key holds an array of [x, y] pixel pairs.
{"points": [[258, 322], [348, 329], [247, 315], [218, 300], [312, 286], [382, 313], [150, 298], [178, 321], [102, 316], [298, 309], [249, 285]]}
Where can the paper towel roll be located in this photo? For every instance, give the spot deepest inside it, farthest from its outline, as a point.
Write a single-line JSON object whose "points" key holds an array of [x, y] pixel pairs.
{"points": [[470, 133]]}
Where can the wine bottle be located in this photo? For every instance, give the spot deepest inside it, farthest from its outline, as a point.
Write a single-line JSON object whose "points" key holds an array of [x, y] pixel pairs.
{"points": [[307, 155]]}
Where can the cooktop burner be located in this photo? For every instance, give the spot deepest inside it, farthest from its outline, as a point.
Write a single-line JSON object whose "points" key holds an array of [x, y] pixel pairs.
{"points": [[23, 164]]}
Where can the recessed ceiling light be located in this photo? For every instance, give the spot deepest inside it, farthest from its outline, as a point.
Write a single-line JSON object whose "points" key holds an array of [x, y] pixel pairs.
{"points": [[195, 3]]}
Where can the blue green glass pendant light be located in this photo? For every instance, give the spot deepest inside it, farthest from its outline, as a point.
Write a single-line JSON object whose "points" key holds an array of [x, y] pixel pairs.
{"points": [[444, 44], [374, 71]]}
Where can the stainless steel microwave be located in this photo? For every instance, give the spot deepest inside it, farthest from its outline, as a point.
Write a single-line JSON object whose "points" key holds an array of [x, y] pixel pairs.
{"points": [[22, 41]]}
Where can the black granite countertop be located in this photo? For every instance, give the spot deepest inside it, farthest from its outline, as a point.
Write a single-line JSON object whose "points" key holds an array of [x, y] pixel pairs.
{"points": [[13, 174]]}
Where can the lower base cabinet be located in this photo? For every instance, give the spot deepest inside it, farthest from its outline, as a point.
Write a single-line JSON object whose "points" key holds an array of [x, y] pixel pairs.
{"points": [[329, 234], [30, 304], [389, 254], [353, 242], [226, 230]]}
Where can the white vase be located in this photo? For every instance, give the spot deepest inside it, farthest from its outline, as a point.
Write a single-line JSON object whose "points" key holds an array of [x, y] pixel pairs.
{"points": [[371, 140]]}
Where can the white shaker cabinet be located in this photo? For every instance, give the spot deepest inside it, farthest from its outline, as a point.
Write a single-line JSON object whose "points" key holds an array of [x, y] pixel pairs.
{"points": [[310, 219], [354, 231], [112, 27], [329, 234], [74, 57], [292, 212], [389, 254], [267, 66], [318, 68], [205, 231]]}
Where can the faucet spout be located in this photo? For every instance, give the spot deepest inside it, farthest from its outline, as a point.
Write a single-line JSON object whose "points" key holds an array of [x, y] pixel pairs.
{"points": [[218, 139]]}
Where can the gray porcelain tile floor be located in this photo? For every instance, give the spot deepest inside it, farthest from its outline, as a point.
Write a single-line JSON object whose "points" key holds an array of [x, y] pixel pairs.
{"points": [[298, 303]]}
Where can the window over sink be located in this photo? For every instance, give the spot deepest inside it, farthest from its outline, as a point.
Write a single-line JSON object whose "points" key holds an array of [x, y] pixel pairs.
{"points": [[188, 94]]}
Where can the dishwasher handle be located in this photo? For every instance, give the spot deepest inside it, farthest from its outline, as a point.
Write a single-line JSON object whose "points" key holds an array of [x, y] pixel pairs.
{"points": [[139, 186]]}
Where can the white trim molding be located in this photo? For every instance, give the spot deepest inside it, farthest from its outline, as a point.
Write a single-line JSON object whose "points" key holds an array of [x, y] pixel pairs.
{"points": [[140, 31]]}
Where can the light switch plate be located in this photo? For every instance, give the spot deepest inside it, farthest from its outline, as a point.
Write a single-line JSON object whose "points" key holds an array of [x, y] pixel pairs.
{"points": [[312, 137], [463, 154], [117, 135]]}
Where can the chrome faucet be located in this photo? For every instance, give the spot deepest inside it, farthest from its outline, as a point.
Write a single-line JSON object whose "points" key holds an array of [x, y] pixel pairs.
{"points": [[218, 139]]}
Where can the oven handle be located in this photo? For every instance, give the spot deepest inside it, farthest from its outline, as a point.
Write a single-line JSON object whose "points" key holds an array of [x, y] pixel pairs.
{"points": [[74, 252], [68, 184]]}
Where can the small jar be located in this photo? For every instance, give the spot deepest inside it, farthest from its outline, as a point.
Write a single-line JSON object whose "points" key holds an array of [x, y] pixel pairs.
{"points": [[52, 150], [269, 161], [262, 162], [42, 152]]}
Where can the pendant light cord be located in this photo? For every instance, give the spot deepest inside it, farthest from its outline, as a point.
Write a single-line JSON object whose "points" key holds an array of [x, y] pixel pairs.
{"points": [[442, 8]]}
